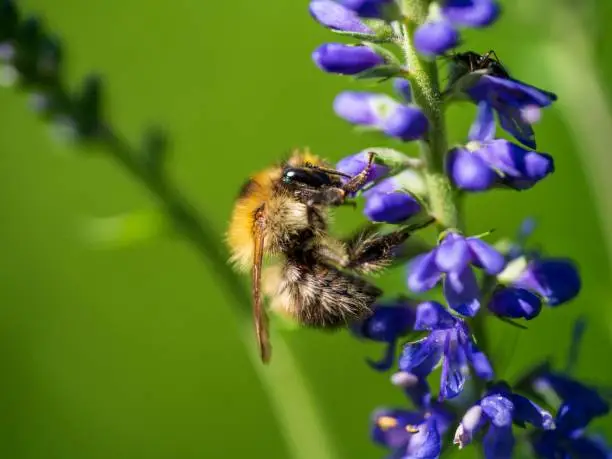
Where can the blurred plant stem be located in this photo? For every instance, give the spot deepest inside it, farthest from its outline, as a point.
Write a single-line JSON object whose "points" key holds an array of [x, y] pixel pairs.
{"points": [[574, 72]]}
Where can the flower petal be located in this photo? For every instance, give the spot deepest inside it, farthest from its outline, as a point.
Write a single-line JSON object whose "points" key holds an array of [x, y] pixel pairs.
{"points": [[485, 256], [389, 426], [499, 409], [498, 442], [462, 292], [469, 171], [434, 38], [354, 164], [453, 254], [426, 443], [471, 13], [390, 207], [356, 107], [452, 379], [405, 123], [527, 411], [423, 274], [421, 357], [556, 279], [471, 422], [516, 303], [433, 316], [483, 127], [479, 361], [345, 59], [337, 17]]}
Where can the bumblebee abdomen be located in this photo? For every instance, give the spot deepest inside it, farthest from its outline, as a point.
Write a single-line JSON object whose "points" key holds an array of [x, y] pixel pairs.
{"points": [[322, 296]]}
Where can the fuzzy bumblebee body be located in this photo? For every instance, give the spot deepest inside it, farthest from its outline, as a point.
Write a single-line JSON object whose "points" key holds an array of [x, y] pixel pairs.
{"points": [[288, 219], [283, 211]]}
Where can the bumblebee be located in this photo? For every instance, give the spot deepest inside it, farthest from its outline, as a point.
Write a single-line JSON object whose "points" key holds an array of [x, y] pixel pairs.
{"points": [[283, 212]]}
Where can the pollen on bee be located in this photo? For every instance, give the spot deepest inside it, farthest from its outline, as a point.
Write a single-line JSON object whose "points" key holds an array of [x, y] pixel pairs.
{"points": [[386, 422], [412, 429]]}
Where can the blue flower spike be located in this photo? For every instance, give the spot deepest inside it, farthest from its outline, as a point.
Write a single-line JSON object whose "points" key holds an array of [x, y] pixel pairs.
{"points": [[449, 343], [452, 261]]}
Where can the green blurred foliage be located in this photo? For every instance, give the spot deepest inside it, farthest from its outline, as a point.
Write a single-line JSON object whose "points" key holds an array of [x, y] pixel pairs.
{"points": [[134, 353]]}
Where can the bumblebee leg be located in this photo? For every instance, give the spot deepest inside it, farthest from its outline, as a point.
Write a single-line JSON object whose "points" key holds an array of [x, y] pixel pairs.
{"points": [[355, 183], [370, 251]]}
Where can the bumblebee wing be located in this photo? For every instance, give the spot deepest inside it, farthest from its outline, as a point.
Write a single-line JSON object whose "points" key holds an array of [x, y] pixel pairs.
{"points": [[259, 315]]}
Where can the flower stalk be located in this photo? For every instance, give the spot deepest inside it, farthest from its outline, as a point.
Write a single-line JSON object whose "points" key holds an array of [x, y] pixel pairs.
{"points": [[426, 92]]}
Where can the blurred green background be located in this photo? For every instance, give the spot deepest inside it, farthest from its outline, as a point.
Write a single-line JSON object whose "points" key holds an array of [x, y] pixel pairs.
{"points": [[135, 353]]}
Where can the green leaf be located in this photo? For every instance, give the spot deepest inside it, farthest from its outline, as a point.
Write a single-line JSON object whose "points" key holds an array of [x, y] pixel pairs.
{"points": [[382, 32], [381, 72]]}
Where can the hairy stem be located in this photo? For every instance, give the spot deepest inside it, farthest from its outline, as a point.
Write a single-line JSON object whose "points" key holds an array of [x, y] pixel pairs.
{"points": [[426, 92], [443, 201]]}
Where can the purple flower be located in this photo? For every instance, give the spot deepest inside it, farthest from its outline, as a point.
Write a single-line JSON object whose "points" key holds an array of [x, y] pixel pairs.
{"points": [[452, 260], [390, 201], [515, 303], [381, 112], [449, 342], [434, 38], [514, 102], [394, 207], [554, 279], [500, 408], [498, 162], [440, 32], [486, 162], [410, 434], [470, 13], [580, 405], [402, 88], [366, 8], [337, 17], [345, 59], [387, 324]]}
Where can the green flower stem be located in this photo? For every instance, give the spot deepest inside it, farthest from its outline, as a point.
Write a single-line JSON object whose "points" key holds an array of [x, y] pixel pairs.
{"points": [[443, 200], [426, 93]]}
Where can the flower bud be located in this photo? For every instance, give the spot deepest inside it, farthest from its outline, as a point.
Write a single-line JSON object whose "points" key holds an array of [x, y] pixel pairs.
{"points": [[345, 59]]}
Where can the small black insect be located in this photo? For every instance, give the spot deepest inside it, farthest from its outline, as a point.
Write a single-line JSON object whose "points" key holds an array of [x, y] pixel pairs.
{"points": [[473, 62]]}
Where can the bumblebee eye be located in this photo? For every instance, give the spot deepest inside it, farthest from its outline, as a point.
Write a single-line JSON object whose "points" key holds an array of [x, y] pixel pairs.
{"points": [[308, 177]]}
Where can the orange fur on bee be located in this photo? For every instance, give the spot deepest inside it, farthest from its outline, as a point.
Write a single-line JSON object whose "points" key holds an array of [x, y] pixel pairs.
{"points": [[256, 192]]}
